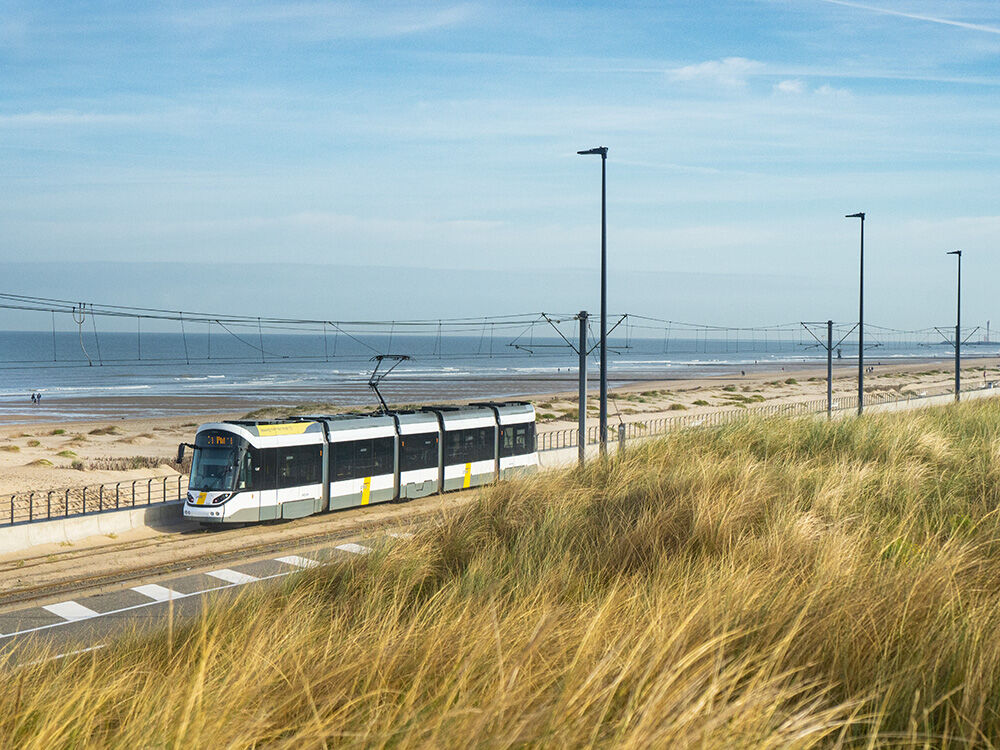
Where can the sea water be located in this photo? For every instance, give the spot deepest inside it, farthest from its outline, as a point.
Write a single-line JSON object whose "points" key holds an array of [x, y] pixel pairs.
{"points": [[81, 375]]}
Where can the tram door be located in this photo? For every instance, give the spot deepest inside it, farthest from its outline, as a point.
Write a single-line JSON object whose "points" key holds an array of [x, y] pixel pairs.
{"points": [[258, 477]]}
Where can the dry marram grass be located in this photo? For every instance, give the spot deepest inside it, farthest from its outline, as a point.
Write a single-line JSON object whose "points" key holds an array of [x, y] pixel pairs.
{"points": [[780, 583]]}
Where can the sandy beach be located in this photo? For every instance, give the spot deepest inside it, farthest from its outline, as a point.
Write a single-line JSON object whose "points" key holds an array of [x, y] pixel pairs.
{"points": [[45, 454]]}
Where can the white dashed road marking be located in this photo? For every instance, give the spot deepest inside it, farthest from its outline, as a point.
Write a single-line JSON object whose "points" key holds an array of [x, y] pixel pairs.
{"points": [[156, 592], [355, 549], [70, 611], [98, 647], [232, 576]]}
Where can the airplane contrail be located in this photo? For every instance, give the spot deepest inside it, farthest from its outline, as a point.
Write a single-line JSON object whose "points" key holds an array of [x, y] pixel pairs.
{"points": [[916, 16]]}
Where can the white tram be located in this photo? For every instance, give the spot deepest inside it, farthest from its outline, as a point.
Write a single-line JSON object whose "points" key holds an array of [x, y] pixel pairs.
{"points": [[243, 471]]}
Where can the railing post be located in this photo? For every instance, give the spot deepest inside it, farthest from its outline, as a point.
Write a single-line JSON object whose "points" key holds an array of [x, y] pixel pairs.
{"points": [[84, 499], [621, 438], [149, 491], [66, 503], [12, 510], [164, 499], [100, 497], [179, 477], [48, 505], [117, 484], [133, 491], [31, 506]]}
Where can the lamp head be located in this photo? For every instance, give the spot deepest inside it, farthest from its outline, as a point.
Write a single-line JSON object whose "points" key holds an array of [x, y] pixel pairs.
{"points": [[956, 252], [858, 215], [601, 150]]}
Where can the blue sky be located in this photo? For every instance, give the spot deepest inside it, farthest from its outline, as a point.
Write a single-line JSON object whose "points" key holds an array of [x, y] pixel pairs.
{"points": [[443, 136]]}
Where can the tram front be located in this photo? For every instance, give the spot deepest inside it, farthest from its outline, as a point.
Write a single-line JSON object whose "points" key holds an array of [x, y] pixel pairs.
{"points": [[216, 490]]}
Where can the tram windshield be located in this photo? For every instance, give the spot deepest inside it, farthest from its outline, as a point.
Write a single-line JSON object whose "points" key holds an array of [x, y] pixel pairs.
{"points": [[215, 462]]}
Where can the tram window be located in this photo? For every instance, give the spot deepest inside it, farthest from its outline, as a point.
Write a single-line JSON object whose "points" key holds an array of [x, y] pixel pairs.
{"points": [[383, 456], [487, 443], [462, 446], [507, 441], [524, 439], [517, 439], [342, 458], [299, 465], [362, 458], [418, 451], [257, 469], [245, 481]]}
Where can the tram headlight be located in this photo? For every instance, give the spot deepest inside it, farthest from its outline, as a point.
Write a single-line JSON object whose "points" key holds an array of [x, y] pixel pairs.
{"points": [[222, 498]]}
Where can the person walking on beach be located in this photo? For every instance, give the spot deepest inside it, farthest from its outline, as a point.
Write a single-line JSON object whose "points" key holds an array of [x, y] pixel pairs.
{"points": [[33, 397]]}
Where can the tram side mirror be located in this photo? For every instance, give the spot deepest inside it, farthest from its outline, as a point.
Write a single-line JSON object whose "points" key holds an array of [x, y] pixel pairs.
{"points": [[180, 450]]}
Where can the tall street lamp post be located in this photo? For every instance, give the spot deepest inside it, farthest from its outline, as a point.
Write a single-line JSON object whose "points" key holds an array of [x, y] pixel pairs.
{"points": [[603, 152], [861, 316], [958, 328]]}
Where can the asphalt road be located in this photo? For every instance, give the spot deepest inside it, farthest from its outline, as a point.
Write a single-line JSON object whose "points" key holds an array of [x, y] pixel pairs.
{"points": [[90, 621]]}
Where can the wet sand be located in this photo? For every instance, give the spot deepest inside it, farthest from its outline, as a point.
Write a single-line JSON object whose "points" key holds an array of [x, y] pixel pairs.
{"points": [[357, 396]]}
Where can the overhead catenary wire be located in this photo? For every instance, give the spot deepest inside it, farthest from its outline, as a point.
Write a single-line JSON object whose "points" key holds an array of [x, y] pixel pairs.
{"points": [[520, 335]]}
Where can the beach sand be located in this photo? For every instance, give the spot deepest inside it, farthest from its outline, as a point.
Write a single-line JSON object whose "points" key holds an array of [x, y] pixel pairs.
{"points": [[47, 455]]}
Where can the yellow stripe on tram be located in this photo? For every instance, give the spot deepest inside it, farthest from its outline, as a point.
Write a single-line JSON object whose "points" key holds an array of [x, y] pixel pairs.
{"points": [[366, 491], [201, 497], [468, 476]]}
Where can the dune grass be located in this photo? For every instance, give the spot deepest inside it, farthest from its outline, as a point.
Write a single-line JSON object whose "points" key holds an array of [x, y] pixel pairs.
{"points": [[779, 583], [129, 463]]}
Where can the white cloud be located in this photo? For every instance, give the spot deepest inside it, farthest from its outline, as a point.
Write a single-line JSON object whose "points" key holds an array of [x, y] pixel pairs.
{"points": [[830, 91], [791, 86], [730, 72], [797, 87]]}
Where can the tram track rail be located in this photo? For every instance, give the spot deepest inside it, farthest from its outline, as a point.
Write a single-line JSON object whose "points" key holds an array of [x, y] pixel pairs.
{"points": [[187, 554]]}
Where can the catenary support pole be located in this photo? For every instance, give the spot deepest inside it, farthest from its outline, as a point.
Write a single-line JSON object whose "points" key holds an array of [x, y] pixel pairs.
{"points": [[582, 417], [829, 369]]}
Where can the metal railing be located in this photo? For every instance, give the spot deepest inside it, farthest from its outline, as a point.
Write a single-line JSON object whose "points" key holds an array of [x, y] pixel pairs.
{"points": [[76, 501], [568, 438], [22, 507]]}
